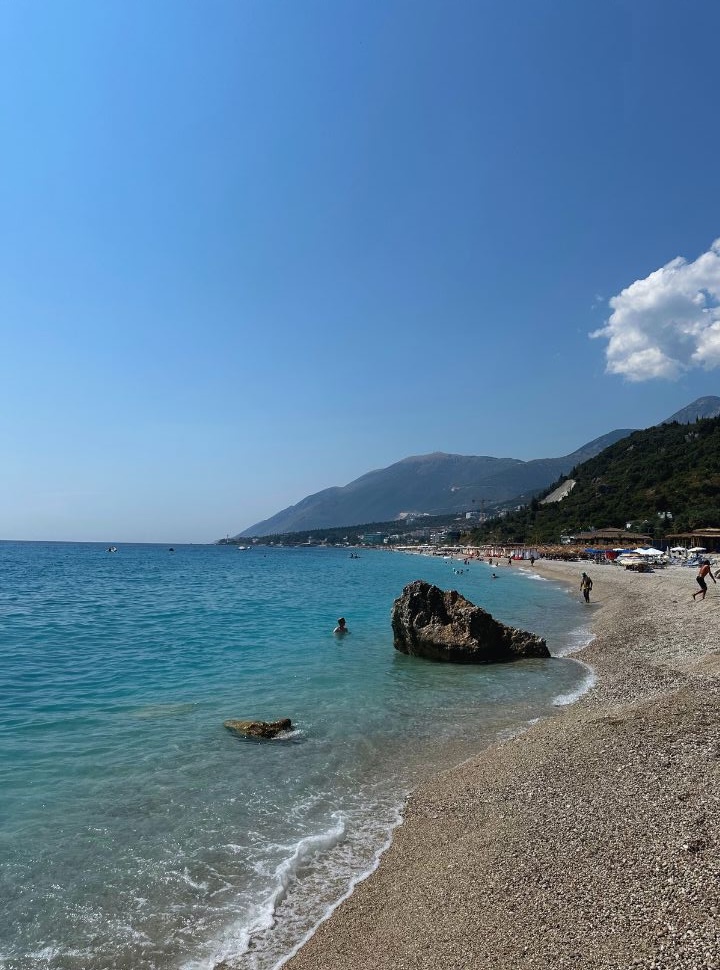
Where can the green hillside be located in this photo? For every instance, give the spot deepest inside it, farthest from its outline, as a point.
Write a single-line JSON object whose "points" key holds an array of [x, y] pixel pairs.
{"points": [[667, 468]]}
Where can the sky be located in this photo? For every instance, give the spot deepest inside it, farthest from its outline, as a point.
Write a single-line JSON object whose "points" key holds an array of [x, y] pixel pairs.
{"points": [[251, 250]]}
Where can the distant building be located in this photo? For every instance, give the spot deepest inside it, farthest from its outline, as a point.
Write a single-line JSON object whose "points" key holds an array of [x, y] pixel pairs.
{"points": [[373, 538], [611, 537], [708, 538]]}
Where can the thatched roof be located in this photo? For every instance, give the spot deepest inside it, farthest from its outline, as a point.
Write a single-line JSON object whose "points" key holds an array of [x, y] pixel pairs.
{"points": [[707, 533], [610, 535]]}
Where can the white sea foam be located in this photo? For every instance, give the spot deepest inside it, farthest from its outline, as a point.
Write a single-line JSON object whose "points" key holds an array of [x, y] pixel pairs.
{"points": [[353, 883], [45, 954], [531, 575], [186, 878], [312, 860], [575, 641], [238, 938], [587, 683], [304, 850], [288, 735]]}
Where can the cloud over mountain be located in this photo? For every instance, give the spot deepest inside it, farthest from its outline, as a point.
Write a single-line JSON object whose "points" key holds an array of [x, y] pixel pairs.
{"points": [[668, 323]]}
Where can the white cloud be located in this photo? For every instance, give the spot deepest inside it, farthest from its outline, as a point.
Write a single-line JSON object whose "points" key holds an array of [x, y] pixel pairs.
{"points": [[668, 323]]}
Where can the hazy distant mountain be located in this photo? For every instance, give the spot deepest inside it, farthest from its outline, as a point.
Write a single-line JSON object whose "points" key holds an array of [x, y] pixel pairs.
{"points": [[441, 483], [704, 407], [433, 484]]}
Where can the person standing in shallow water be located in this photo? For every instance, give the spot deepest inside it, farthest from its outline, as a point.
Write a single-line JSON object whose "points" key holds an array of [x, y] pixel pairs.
{"points": [[586, 586], [703, 572], [341, 629]]}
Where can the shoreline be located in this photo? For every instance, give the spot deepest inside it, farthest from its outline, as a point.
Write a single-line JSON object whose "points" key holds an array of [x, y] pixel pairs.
{"points": [[589, 840]]}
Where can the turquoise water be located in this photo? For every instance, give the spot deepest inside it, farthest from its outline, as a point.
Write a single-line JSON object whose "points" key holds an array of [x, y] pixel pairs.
{"points": [[135, 831]]}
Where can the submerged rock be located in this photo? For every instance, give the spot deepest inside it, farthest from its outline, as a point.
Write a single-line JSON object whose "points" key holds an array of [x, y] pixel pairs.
{"points": [[443, 625], [258, 729]]}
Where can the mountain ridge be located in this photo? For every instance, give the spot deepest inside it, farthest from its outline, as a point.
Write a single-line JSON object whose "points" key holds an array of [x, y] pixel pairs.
{"points": [[703, 407], [430, 484], [441, 482]]}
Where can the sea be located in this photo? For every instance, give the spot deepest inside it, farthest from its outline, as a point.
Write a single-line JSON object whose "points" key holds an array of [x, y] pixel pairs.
{"points": [[136, 832]]}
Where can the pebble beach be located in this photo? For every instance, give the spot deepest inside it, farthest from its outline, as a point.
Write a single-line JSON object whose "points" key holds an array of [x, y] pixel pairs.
{"points": [[589, 840]]}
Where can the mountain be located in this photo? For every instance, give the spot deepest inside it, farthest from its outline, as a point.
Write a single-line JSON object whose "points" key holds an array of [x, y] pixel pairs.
{"points": [[431, 484], [440, 483], [704, 407]]}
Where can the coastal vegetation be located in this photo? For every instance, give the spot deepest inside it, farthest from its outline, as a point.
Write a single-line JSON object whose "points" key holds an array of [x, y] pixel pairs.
{"points": [[405, 532], [665, 479]]}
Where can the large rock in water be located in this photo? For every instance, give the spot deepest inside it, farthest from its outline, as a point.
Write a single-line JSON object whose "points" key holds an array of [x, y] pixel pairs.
{"points": [[428, 622], [258, 729]]}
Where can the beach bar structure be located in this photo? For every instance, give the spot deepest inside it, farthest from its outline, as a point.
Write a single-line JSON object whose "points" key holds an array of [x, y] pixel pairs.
{"points": [[704, 538], [610, 538]]}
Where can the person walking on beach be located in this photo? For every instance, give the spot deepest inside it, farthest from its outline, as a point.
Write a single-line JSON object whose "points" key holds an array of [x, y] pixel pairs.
{"points": [[703, 571], [586, 586]]}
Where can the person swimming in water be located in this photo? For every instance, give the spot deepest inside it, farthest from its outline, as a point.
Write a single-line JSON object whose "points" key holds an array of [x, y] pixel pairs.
{"points": [[341, 629]]}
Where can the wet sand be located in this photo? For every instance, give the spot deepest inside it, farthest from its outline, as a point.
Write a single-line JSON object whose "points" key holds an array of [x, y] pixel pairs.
{"points": [[589, 841]]}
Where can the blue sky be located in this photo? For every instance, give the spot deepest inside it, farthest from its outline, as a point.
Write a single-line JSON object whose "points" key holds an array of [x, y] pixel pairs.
{"points": [[249, 250]]}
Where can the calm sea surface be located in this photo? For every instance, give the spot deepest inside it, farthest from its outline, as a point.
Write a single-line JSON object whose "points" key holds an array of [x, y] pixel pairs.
{"points": [[135, 831]]}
